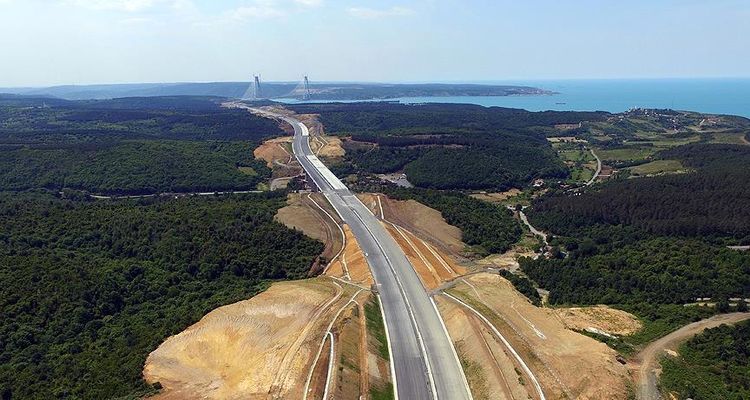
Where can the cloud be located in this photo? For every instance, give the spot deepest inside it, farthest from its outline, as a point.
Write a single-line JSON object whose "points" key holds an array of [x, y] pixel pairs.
{"points": [[130, 6], [305, 3], [260, 10], [372, 13], [136, 21], [114, 5]]}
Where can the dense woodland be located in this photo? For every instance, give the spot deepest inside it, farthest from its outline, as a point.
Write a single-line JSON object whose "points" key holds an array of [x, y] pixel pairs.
{"points": [[434, 118], [133, 167], [710, 202], [714, 365], [654, 240], [129, 146], [90, 288], [442, 146], [659, 270]]}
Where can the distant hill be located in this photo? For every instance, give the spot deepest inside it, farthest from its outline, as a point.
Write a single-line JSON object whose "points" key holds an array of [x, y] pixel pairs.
{"points": [[318, 91]]}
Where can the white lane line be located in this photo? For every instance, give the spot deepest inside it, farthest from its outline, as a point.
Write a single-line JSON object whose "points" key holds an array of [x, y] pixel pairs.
{"points": [[409, 309], [518, 358], [453, 349], [390, 349]]}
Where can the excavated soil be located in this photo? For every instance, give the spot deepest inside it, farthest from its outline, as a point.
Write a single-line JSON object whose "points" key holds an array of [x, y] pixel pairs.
{"points": [[423, 221], [259, 348], [274, 150], [351, 264], [433, 267], [566, 363], [601, 318], [302, 213], [491, 372]]}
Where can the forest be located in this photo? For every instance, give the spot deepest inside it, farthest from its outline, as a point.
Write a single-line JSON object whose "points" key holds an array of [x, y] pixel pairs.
{"points": [[91, 287], [133, 167], [389, 118], [710, 203], [660, 270], [655, 240], [129, 146], [453, 147], [38, 120], [714, 365]]}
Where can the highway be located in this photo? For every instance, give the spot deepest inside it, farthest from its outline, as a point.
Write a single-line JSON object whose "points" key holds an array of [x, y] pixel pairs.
{"points": [[424, 363]]}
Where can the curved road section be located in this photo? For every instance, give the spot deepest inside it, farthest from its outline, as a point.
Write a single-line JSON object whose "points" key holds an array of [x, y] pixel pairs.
{"points": [[423, 360]]}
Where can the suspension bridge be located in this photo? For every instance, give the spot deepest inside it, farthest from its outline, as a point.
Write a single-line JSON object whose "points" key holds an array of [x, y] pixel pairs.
{"points": [[258, 91]]}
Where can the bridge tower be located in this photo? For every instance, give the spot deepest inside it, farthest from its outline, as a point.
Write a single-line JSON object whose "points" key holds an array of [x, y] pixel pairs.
{"points": [[256, 88], [253, 91], [306, 89]]}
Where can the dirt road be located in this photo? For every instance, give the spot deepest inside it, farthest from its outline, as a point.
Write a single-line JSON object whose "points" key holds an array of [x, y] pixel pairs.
{"points": [[648, 358]]}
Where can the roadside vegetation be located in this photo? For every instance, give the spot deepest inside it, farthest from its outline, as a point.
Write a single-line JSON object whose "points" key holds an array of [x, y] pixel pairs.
{"points": [[714, 365], [90, 288]]}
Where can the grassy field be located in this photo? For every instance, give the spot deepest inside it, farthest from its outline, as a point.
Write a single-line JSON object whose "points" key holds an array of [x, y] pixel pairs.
{"points": [[576, 155], [581, 174], [627, 153], [657, 167], [728, 138]]}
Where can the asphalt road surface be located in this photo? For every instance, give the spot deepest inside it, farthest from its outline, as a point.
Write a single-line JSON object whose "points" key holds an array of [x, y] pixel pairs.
{"points": [[423, 360]]}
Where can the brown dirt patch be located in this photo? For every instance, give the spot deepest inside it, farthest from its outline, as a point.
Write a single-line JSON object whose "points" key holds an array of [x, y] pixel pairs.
{"points": [[496, 197], [303, 214], [491, 372], [602, 318], [566, 363], [257, 348], [432, 266], [312, 122], [327, 147], [273, 150], [346, 382], [507, 260], [351, 264], [425, 222]]}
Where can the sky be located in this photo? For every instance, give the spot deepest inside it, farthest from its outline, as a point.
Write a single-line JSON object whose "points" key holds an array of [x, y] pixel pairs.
{"points": [[51, 42]]}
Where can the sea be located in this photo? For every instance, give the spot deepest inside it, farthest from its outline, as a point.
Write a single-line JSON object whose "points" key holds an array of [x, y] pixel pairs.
{"points": [[713, 96]]}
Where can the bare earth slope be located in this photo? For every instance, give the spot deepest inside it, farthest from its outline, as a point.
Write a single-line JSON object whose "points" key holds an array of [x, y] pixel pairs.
{"points": [[567, 364], [248, 349]]}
